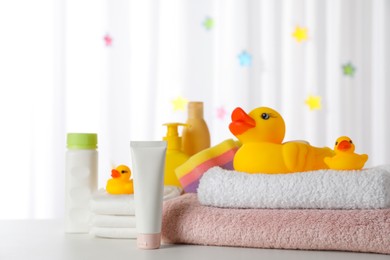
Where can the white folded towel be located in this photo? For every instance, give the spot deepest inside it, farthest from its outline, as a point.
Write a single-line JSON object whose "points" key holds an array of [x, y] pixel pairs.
{"points": [[323, 189], [103, 203], [112, 221], [114, 232]]}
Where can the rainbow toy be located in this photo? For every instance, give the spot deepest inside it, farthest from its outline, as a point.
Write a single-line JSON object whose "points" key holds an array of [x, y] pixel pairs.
{"points": [[193, 169]]}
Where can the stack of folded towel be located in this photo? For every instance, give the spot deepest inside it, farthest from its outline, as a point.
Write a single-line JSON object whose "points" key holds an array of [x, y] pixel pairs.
{"points": [[114, 215], [319, 210]]}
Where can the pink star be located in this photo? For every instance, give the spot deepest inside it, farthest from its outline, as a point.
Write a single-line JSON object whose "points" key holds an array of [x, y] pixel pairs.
{"points": [[221, 113], [108, 40]]}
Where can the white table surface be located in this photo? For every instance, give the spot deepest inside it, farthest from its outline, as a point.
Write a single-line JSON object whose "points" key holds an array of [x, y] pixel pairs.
{"points": [[45, 239]]}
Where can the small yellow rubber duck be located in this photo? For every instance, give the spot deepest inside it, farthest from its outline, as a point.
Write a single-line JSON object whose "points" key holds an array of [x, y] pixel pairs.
{"points": [[261, 133], [345, 158], [120, 182]]}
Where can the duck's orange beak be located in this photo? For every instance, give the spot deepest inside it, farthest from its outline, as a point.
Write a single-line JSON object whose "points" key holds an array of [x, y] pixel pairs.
{"points": [[241, 122], [115, 174], [344, 146]]}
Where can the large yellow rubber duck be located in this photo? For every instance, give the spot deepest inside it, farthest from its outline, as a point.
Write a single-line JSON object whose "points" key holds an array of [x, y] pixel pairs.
{"points": [[120, 182], [261, 133], [345, 158]]}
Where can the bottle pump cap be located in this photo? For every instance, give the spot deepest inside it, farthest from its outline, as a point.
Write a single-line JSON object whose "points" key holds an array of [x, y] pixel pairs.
{"points": [[81, 141], [173, 139]]}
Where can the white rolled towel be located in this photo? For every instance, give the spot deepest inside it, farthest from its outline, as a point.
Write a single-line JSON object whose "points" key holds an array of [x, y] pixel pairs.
{"points": [[322, 189], [103, 203], [114, 232], [113, 221]]}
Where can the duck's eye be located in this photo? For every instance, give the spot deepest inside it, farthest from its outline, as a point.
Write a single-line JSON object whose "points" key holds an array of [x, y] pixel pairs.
{"points": [[123, 171], [265, 116], [336, 143], [350, 141]]}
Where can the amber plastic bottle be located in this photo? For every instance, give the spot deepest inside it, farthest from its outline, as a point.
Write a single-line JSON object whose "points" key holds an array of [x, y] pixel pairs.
{"points": [[196, 136]]}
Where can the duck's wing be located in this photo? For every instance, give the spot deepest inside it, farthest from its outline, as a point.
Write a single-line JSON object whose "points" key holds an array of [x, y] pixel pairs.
{"points": [[295, 156]]}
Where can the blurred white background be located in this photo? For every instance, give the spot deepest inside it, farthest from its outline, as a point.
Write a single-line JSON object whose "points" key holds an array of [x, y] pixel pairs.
{"points": [[116, 67]]}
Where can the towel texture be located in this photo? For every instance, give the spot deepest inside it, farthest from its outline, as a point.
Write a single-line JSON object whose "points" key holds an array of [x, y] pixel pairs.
{"points": [[113, 221], [106, 204], [103, 203], [114, 232], [186, 221], [323, 189], [192, 170]]}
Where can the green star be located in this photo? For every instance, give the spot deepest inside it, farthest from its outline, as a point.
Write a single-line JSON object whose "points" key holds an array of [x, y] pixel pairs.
{"points": [[349, 69], [208, 23]]}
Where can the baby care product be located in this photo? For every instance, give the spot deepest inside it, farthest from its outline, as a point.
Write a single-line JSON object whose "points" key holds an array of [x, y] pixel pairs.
{"points": [[196, 136], [174, 156], [148, 169], [80, 180]]}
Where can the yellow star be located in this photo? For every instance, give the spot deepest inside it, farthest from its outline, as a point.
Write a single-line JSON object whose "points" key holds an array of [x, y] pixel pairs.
{"points": [[300, 34], [314, 102], [179, 103]]}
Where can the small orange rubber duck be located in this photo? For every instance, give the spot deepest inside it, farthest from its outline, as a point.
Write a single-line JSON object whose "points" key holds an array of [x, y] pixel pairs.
{"points": [[345, 158], [120, 182]]}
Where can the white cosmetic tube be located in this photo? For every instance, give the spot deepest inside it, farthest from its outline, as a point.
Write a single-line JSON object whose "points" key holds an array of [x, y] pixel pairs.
{"points": [[148, 173]]}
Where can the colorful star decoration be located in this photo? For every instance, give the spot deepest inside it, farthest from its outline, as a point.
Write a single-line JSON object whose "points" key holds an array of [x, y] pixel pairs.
{"points": [[300, 34], [208, 23], [108, 40], [179, 103], [221, 113], [349, 69], [245, 59], [314, 102]]}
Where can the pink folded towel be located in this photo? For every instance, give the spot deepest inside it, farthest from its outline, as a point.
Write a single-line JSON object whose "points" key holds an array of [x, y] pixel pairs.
{"points": [[185, 221]]}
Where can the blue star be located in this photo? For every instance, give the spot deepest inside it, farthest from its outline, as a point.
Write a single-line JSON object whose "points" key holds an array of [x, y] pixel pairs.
{"points": [[245, 59]]}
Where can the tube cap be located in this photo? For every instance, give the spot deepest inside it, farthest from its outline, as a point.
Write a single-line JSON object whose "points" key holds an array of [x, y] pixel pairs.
{"points": [[149, 241]]}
